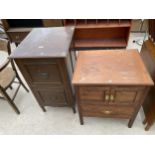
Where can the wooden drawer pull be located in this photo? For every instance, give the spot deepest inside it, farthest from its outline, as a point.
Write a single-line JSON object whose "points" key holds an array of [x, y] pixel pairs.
{"points": [[107, 112]]}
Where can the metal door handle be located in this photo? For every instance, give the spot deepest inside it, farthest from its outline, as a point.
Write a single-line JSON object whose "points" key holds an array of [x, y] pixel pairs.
{"points": [[112, 98], [106, 97]]}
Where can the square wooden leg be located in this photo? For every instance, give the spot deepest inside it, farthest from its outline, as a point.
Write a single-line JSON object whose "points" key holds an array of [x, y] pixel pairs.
{"points": [[131, 121], [74, 110], [81, 119]]}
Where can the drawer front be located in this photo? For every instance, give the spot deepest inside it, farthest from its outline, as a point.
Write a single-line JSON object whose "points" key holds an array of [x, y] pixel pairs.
{"points": [[50, 95], [106, 111], [18, 36], [96, 94], [42, 71]]}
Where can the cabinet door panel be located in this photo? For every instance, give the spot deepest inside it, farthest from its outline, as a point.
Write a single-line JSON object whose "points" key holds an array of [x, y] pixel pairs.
{"points": [[50, 96], [127, 96], [93, 93]]}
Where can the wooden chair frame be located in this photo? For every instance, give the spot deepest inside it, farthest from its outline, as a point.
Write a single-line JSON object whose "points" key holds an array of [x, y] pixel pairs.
{"points": [[5, 45]]}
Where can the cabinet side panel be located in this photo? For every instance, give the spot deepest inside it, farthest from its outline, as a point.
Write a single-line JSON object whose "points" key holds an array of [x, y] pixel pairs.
{"points": [[69, 70], [66, 81]]}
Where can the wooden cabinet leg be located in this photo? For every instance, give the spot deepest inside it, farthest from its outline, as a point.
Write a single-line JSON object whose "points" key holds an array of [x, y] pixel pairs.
{"points": [[81, 119], [145, 121], [131, 121], [149, 124], [79, 107], [75, 56], [43, 108], [80, 115], [147, 127], [72, 63], [16, 44], [74, 110]]}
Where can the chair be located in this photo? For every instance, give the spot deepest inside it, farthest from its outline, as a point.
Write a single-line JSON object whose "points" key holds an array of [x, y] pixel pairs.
{"points": [[2, 31], [8, 74]]}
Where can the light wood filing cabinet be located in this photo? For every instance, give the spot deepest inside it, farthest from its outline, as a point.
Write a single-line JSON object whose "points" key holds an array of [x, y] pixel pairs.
{"points": [[110, 84], [44, 60]]}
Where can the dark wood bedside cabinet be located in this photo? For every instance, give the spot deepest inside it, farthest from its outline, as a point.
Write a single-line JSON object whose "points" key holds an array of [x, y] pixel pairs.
{"points": [[112, 83], [44, 60]]}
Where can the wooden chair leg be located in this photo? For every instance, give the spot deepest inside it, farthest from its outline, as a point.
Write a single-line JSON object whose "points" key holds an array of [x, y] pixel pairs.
{"points": [[21, 82], [11, 87], [12, 104]]}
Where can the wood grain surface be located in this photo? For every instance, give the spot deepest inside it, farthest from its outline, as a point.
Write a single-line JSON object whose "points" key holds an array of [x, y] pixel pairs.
{"points": [[45, 42], [109, 67]]}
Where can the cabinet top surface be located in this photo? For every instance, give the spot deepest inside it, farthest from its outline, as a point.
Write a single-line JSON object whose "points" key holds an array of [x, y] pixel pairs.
{"points": [[110, 67], [45, 42]]}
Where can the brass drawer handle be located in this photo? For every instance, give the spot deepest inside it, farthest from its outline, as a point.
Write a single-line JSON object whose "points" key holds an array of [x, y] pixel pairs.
{"points": [[111, 97], [107, 112], [106, 97]]}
